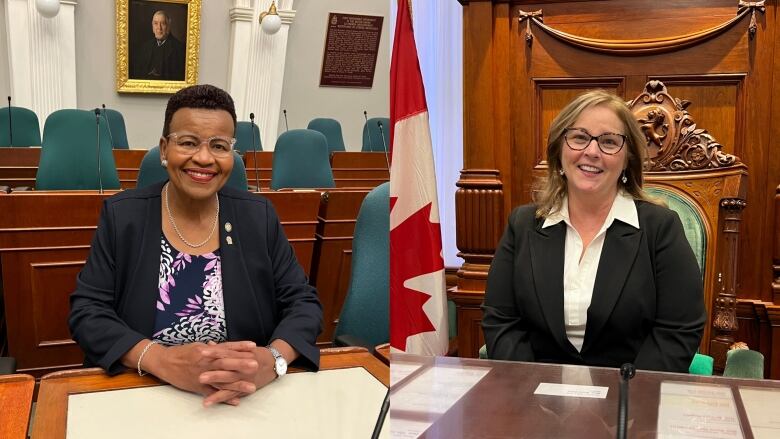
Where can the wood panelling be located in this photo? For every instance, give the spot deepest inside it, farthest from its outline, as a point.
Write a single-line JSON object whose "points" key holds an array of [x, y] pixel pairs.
{"points": [[513, 89]]}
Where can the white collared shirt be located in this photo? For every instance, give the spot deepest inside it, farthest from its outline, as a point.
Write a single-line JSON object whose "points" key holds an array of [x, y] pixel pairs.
{"points": [[579, 275]]}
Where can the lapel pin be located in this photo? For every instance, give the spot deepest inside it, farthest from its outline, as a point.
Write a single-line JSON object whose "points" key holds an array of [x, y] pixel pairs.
{"points": [[229, 240], [228, 227]]}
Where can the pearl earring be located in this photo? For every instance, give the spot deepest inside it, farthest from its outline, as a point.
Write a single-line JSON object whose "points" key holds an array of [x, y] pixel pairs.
{"points": [[164, 163], [623, 178], [560, 171]]}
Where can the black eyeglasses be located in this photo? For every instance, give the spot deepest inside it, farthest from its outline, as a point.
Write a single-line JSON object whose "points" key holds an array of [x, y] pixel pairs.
{"points": [[579, 139]]}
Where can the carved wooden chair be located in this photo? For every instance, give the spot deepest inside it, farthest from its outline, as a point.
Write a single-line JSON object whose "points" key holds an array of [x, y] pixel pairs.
{"points": [[707, 188]]}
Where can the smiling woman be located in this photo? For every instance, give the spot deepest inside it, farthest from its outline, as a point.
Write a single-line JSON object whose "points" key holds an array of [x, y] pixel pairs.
{"points": [[216, 313], [593, 272]]}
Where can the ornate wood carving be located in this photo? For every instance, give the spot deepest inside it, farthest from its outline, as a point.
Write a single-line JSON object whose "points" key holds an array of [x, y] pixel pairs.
{"points": [[645, 46], [674, 142], [480, 220]]}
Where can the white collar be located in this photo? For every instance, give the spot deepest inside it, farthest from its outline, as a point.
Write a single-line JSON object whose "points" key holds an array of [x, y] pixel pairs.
{"points": [[623, 209]]}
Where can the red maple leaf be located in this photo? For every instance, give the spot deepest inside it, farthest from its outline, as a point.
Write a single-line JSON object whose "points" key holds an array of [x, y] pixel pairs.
{"points": [[415, 249]]}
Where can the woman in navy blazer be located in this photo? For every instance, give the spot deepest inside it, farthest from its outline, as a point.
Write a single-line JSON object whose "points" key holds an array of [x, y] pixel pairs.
{"points": [[220, 314], [594, 272]]}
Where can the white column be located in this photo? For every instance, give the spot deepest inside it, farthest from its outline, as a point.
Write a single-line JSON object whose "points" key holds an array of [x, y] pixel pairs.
{"points": [[41, 57], [256, 70]]}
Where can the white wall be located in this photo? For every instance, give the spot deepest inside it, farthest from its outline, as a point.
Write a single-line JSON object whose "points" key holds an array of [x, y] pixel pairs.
{"points": [[96, 66], [302, 96], [5, 84]]}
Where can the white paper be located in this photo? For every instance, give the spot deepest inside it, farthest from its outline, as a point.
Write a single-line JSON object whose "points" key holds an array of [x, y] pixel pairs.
{"points": [[407, 429], [688, 410], [763, 411], [340, 403], [437, 389], [399, 371], [571, 390]]}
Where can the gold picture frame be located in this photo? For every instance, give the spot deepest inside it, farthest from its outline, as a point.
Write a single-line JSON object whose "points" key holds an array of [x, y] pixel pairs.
{"points": [[149, 56]]}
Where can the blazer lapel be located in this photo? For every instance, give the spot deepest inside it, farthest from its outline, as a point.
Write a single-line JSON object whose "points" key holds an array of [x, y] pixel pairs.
{"points": [[144, 288], [237, 291], [547, 257], [617, 257]]}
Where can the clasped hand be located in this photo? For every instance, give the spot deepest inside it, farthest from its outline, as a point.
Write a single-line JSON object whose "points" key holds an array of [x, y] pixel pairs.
{"points": [[223, 372]]}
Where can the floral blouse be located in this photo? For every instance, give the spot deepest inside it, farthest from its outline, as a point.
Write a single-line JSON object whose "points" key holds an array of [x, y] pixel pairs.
{"points": [[190, 307]]}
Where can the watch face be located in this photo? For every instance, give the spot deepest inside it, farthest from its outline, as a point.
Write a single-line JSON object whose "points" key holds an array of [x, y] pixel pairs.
{"points": [[281, 366]]}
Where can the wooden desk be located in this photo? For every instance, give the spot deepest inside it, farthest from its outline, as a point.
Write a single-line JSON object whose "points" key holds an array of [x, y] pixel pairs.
{"points": [[52, 407], [44, 242], [365, 170], [503, 404], [332, 262], [383, 352], [16, 392], [128, 163], [18, 166], [359, 169]]}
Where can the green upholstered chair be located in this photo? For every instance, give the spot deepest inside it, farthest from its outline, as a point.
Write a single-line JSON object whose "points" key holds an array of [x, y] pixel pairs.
{"points": [[744, 363], [331, 129], [152, 172], [301, 160], [26, 130], [7, 365], [691, 219], [69, 153], [117, 132], [364, 317], [244, 137], [701, 365], [372, 139]]}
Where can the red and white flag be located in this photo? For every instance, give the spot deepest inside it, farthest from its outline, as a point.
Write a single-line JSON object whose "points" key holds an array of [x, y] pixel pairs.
{"points": [[418, 301]]}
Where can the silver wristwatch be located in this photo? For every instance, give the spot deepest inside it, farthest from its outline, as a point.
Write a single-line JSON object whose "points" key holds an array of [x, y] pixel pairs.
{"points": [[280, 364]]}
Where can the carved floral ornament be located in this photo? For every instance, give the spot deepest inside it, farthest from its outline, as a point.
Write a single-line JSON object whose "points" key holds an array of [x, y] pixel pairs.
{"points": [[674, 143], [644, 46]]}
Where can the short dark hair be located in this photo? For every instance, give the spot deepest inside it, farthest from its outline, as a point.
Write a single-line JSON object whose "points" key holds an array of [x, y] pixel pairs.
{"points": [[199, 96]]}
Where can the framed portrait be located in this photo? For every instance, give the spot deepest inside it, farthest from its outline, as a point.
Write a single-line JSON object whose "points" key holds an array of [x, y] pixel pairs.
{"points": [[157, 45]]}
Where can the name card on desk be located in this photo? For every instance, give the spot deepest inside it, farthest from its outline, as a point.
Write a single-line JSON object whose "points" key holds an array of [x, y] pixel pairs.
{"points": [[571, 390]]}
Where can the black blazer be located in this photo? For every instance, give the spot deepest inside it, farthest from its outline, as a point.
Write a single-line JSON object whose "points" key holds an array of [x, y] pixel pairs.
{"points": [[265, 290], [647, 305]]}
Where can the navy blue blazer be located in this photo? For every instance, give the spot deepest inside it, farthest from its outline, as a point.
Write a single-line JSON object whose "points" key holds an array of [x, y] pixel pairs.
{"points": [[647, 306], [265, 290]]}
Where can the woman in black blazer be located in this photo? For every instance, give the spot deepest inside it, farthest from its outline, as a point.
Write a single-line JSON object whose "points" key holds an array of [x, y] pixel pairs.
{"points": [[192, 281], [594, 272]]}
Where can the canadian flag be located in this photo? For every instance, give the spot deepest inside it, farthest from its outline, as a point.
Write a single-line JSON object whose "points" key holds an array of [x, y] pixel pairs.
{"points": [[418, 302]]}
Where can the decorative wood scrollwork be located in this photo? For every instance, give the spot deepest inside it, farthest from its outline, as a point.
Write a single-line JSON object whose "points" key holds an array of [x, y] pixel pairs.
{"points": [[644, 46], [674, 143]]}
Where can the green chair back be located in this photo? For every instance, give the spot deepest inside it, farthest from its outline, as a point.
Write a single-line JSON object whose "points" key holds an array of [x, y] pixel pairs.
{"points": [[366, 310], [692, 223], [331, 129], [244, 137], [26, 130], [117, 133], [69, 153], [301, 160], [372, 139], [701, 365], [152, 172], [744, 363]]}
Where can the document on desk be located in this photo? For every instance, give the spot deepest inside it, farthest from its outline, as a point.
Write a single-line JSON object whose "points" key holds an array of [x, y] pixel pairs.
{"points": [[340, 403], [691, 410], [761, 406], [400, 370], [572, 390], [430, 394]]}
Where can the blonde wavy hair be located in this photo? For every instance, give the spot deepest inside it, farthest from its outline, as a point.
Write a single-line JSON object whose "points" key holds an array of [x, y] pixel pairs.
{"points": [[550, 190]]}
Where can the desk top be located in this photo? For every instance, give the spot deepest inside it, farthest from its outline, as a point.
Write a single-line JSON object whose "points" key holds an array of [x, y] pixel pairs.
{"points": [[16, 393], [497, 399], [51, 416]]}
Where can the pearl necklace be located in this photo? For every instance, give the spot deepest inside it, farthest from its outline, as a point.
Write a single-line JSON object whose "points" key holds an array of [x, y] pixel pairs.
{"points": [[176, 229]]}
